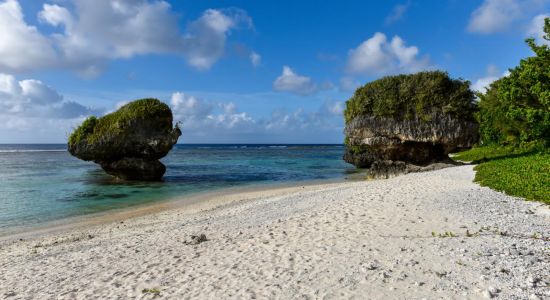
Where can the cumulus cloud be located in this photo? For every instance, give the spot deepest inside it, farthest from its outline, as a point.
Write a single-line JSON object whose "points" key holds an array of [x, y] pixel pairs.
{"points": [[291, 82], [22, 47], [536, 28], [493, 74], [500, 15], [188, 107], [87, 34], [204, 43], [26, 99], [397, 13], [494, 15], [207, 121], [199, 117], [327, 118], [378, 56]]}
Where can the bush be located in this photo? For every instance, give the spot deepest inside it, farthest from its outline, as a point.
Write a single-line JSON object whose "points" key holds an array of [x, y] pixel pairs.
{"points": [[93, 129], [519, 171], [516, 108], [526, 176], [415, 95]]}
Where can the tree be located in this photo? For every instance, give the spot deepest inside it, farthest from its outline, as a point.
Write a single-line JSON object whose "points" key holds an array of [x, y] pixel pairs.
{"points": [[516, 108]]}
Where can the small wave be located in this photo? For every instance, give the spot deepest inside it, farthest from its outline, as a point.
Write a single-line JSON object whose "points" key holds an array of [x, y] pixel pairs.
{"points": [[32, 150], [278, 147]]}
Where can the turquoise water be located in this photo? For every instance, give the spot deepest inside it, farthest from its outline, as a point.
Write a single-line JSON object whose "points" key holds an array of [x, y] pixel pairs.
{"points": [[44, 183]]}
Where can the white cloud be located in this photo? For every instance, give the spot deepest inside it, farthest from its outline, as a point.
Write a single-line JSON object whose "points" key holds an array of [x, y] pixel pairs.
{"points": [[203, 121], [494, 15], [536, 29], [56, 15], [378, 56], [189, 107], [397, 13], [255, 59], [204, 43], [327, 118], [26, 99], [22, 47], [291, 82], [200, 117], [501, 15], [207, 121], [87, 34], [493, 74]]}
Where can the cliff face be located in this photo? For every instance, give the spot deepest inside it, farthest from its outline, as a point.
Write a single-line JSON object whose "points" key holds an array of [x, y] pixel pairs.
{"points": [[416, 141], [129, 142], [414, 119]]}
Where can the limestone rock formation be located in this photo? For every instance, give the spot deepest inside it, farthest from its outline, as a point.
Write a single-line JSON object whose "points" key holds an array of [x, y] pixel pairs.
{"points": [[415, 119], [129, 142]]}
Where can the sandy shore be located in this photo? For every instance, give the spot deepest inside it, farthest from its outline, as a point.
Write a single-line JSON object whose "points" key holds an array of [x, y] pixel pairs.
{"points": [[426, 235]]}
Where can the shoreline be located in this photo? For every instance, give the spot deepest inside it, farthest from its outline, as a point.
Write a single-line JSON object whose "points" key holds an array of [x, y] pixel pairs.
{"points": [[194, 202], [422, 235]]}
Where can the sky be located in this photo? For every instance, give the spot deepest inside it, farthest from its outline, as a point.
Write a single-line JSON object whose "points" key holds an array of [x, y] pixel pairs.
{"points": [[240, 71]]}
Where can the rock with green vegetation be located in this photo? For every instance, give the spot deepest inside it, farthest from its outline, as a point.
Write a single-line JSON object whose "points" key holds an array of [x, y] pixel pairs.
{"points": [[129, 142], [416, 119]]}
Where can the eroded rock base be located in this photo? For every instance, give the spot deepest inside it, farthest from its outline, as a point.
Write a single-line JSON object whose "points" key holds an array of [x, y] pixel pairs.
{"points": [[135, 169], [384, 169]]}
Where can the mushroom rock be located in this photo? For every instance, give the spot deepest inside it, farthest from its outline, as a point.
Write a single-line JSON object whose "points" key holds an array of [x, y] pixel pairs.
{"points": [[415, 119], [129, 142]]}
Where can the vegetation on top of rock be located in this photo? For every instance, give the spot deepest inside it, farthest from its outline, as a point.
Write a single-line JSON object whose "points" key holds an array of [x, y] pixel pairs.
{"points": [[129, 142], [92, 129], [516, 108], [415, 95]]}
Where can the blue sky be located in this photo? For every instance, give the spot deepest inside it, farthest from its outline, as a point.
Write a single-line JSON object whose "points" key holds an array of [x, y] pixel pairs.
{"points": [[239, 71]]}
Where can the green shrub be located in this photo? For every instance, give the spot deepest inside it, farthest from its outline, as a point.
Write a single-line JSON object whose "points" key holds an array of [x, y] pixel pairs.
{"points": [[415, 95], [92, 129], [519, 171], [491, 152], [516, 108], [86, 128], [524, 176]]}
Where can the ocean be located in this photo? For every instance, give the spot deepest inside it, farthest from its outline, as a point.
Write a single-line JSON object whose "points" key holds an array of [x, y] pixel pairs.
{"points": [[40, 184]]}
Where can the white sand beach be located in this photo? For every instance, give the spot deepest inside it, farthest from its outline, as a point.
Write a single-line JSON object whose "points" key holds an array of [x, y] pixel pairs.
{"points": [[425, 235]]}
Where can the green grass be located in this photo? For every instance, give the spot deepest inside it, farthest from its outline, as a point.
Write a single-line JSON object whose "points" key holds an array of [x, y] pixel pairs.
{"points": [[522, 172], [486, 153]]}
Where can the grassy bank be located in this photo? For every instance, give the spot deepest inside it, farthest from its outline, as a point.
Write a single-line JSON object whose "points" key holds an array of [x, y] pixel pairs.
{"points": [[522, 172]]}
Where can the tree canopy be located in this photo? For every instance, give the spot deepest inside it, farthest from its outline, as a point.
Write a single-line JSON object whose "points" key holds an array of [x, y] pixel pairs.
{"points": [[516, 108]]}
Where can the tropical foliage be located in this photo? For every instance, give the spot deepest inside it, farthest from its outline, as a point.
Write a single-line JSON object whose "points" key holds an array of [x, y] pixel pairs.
{"points": [[413, 95], [94, 128], [519, 171], [516, 108]]}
